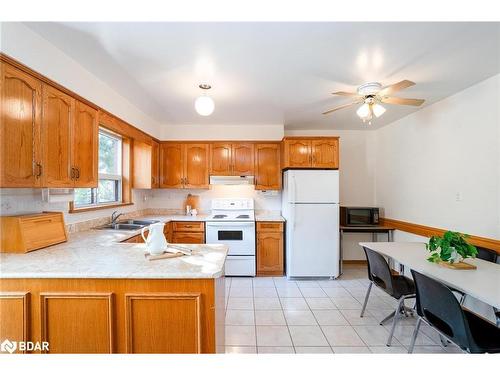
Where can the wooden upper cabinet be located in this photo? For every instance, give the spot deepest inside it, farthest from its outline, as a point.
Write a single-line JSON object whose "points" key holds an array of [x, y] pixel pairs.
{"points": [[231, 159], [267, 166], [143, 160], [57, 124], [242, 155], [171, 165], [220, 159], [325, 153], [313, 152], [155, 165], [146, 165], [196, 166], [21, 109], [297, 153], [85, 143]]}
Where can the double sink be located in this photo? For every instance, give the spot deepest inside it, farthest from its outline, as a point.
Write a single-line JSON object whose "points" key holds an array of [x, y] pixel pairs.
{"points": [[128, 224]]}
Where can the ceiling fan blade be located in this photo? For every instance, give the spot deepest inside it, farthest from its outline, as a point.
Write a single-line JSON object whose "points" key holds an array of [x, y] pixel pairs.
{"points": [[403, 101], [345, 93], [340, 107], [388, 90]]}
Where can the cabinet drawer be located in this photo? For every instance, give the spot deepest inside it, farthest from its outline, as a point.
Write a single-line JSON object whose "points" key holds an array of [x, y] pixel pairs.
{"points": [[188, 237], [188, 226], [269, 226]]}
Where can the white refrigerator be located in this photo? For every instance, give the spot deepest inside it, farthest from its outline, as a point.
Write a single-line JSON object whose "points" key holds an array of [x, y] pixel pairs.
{"points": [[310, 205]]}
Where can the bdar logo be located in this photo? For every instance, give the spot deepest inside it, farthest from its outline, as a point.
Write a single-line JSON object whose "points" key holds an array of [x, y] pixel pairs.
{"points": [[8, 346]]}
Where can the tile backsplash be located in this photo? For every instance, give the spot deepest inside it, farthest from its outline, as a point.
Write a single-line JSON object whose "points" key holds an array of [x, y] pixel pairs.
{"points": [[24, 201]]}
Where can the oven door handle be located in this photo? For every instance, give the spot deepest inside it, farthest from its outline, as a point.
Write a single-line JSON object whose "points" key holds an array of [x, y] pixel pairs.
{"points": [[232, 225]]}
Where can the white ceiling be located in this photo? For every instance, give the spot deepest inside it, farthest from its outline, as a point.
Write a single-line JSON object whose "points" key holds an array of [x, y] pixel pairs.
{"points": [[277, 73]]}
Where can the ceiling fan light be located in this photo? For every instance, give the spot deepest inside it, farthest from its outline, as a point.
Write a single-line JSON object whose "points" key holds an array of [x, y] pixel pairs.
{"points": [[204, 105], [378, 110], [364, 111]]}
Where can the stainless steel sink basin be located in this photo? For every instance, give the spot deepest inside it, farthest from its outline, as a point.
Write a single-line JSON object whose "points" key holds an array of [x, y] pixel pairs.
{"points": [[121, 226], [138, 222]]}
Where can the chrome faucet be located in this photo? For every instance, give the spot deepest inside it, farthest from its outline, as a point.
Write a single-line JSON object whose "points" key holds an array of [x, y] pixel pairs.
{"points": [[114, 216]]}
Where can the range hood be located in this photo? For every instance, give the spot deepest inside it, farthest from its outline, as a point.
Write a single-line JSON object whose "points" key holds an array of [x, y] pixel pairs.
{"points": [[231, 180]]}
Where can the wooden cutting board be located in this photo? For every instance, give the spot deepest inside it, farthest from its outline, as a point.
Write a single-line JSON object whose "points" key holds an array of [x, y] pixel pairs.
{"points": [[193, 201], [458, 266]]}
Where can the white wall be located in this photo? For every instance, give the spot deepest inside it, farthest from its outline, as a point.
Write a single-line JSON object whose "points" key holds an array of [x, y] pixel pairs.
{"points": [[440, 166], [357, 176], [28, 47], [272, 132]]}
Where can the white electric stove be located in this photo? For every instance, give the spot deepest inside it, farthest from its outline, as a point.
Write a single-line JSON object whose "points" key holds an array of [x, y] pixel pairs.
{"points": [[232, 223]]}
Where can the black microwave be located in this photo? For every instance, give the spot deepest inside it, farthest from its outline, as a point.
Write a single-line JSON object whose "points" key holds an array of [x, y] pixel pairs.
{"points": [[359, 216]]}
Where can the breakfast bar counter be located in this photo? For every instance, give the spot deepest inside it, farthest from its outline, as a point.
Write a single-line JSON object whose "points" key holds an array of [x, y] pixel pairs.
{"points": [[96, 294]]}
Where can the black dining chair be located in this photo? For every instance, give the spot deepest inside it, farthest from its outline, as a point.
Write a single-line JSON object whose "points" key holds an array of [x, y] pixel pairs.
{"points": [[439, 308], [489, 256], [397, 286]]}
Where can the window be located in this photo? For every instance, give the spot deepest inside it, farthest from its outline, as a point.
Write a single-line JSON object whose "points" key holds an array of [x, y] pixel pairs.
{"points": [[109, 188]]}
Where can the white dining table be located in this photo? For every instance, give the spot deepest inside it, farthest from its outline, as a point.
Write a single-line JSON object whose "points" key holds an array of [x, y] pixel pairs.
{"points": [[482, 283]]}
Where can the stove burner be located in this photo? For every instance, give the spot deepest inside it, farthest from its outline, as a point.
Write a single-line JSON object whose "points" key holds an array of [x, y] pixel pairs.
{"points": [[243, 217], [219, 216]]}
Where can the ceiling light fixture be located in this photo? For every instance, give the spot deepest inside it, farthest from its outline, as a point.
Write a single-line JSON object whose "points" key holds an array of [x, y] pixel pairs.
{"points": [[204, 104], [378, 110]]}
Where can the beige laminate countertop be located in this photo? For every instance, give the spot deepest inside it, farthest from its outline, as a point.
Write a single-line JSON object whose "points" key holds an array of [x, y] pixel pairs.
{"points": [[100, 254], [269, 217]]}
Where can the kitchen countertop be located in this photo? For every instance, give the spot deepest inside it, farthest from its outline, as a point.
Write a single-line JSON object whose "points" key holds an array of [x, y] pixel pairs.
{"points": [[100, 254], [269, 217]]}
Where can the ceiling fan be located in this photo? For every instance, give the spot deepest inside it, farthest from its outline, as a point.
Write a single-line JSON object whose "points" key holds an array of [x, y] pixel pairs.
{"points": [[372, 94]]}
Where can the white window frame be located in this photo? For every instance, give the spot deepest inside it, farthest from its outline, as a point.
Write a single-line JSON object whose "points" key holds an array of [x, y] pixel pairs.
{"points": [[118, 178]]}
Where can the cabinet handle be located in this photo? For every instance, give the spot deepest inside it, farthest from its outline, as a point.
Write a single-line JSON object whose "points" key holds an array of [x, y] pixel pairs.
{"points": [[38, 170], [77, 173], [72, 173]]}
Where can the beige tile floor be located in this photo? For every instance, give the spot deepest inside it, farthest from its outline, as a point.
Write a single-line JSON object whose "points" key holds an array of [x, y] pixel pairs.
{"points": [[276, 315]]}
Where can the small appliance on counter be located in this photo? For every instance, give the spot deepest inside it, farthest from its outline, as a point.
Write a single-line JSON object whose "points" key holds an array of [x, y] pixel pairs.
{"points": [[24, 233], [232, 223], [359, 216]]}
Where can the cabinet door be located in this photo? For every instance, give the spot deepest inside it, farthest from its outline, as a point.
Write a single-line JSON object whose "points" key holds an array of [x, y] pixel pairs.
{"points": [[57, 124], [242, 159], [220, 159], [269, 253], [85, 143], [143, 160], [171, 165], [196, 166], [21, 109], [267, 167], [155, 165], [325, 153], [297, 153]]}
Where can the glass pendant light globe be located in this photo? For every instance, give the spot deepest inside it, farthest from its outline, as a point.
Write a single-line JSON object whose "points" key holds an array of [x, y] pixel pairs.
{"points": [[378, 110], [364, 111], [204, 105]]}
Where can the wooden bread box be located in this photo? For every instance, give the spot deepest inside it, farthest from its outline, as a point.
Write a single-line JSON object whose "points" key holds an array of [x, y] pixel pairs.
{"points": [[24, 233]]}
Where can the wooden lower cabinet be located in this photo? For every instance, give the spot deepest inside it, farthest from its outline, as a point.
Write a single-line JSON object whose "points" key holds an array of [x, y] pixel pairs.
{"points": [[270, 250], [188, 232], [178, 232], [115, 315], [14, 324]]}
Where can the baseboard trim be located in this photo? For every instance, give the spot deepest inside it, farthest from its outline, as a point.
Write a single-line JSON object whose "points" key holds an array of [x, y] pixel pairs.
{"points": [[354, 261], [426, 231]]}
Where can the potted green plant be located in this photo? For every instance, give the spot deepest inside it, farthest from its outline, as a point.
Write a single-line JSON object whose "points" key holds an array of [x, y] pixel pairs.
{"points": [[452, 248]]}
